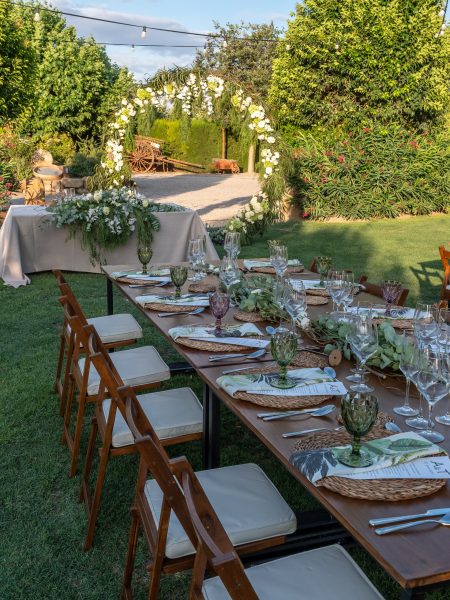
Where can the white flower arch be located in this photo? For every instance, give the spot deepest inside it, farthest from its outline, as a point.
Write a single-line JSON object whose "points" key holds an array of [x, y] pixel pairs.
{"points": [[203, 92]]}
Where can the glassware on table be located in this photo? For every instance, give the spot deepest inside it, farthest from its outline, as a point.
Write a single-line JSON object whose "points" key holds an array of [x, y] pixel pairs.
{"points": [[280, 292], [359, 413], [363, 307], [232, 243], [283, 345], [200, 254], [178, 275], [192, 254], [363, 339], [408, 366], [145, 254], [279, 259], [295, 301], [228, 271], [444, 347], [219, 303], [419, 421], [323, 264], [432, 380], [391, 290], [425, 324]]}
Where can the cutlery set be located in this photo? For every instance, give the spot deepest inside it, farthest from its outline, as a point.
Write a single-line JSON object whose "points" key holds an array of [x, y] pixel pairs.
{"points": [[408, 521]]}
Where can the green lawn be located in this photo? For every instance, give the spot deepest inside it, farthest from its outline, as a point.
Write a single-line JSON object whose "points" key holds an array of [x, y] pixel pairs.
{"points": [[42, 525]]}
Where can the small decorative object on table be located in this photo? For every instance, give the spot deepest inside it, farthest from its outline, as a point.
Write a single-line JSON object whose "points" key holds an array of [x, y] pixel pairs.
{"points": [[391, 291], [359, 413], [178, 275], [283, 345], [145, 254]]}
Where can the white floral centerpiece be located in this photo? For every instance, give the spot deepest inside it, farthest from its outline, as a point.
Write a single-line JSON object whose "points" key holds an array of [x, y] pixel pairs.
{"points": [[106, 219], [251, 221]]}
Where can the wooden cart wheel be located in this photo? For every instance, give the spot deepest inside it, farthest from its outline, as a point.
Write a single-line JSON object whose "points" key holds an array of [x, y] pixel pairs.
{"points": [[142, 158]]}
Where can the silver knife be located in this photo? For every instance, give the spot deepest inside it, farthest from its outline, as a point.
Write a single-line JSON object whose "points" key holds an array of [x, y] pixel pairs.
{"points": [[430, 513], [308, 431], [286, 412]]}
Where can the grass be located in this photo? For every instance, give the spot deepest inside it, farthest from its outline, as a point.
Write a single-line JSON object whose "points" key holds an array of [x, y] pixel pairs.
{"points": [[42, 524]]}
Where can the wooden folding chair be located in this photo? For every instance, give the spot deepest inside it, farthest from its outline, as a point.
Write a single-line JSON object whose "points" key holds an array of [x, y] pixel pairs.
{"points": [[115, 331], [445, 258], [319, 574], [176, 416], [375, 290], [141, 367], [252, 511]]}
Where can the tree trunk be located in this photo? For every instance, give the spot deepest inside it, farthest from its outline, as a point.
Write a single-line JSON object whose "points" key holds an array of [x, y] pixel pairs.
{"points": [[224, 142], [251, 159]]}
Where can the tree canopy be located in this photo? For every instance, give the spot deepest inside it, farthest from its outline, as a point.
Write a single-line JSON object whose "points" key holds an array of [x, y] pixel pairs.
{"points": [[345, 62]]}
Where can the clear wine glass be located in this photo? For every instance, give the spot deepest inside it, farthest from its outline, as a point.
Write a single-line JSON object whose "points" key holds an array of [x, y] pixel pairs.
{"points": [[335, 286], [364, 344], [232, 243], [228, 272], [443, 342], [419, 421], [432, 380], [279, 259], [425, 324], [280, 292], [295, 302], [192, 258], [408, 366]]}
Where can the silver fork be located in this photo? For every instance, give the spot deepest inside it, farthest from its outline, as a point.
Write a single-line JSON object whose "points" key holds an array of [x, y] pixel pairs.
{"points": [[308, 431]]}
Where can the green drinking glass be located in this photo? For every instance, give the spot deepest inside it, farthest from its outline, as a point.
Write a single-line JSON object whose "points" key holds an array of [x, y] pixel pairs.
{"points": [[283, 346], [145, 254], [178, 276], [323, 264], [359, 413]]}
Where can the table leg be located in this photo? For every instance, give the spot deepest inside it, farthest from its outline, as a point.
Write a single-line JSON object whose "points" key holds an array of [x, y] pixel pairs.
{"points": [[109, 296], [211, 429]]}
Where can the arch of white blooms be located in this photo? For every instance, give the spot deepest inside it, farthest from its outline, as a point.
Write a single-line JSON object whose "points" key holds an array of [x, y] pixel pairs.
{"points": [[203, 92]]}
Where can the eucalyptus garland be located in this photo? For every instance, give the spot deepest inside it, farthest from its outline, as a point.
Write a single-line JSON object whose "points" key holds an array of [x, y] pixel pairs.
{"points": [[107, 218]]}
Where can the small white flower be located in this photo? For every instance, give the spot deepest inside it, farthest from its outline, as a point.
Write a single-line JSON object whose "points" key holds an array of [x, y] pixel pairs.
{"points": [[145, 203], [106, 210], [271, 139]]}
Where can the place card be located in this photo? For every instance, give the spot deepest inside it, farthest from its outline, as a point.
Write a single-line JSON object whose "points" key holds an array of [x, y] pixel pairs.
{"points": [[423, 468]]}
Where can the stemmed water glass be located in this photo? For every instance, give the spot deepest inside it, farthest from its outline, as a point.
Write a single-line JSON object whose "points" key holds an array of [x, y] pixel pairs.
{"points": [[295, 301], [391, 290], [232, 243], [335, 286], [432, 380], [145, 254], [199, 256], [363, 340], [279, 259], [178, 276], [359, 413], [192, 254], [443, 342], [425, 324], [228, 271], [219, 303], [408, 366], [280, 292], [323, 264], [283, 345]]}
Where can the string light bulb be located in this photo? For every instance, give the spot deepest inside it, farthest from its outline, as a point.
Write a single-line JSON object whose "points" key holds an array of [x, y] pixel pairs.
{"points": [[37, 16], [143, 32]]}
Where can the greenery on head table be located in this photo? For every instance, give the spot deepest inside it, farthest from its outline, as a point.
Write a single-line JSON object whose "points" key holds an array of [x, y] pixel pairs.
{"points": [[255, 293]]}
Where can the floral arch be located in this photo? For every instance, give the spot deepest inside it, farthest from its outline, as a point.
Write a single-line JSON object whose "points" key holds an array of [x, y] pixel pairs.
{"points": [[203, 95]]}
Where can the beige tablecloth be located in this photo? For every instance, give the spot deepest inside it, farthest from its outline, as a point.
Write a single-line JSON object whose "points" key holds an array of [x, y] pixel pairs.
{"points": [[29, 243]]}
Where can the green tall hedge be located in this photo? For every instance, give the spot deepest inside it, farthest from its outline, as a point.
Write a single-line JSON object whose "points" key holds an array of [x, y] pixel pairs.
{"points": [[197, 141]]}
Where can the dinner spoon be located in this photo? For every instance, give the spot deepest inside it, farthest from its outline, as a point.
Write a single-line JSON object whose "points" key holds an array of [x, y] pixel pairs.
{"points": [[183, 313], [255, 354], [318, 412]]}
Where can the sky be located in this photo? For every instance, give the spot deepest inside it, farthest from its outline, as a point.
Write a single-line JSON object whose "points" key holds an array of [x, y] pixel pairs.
{"points": [[186, 15]]}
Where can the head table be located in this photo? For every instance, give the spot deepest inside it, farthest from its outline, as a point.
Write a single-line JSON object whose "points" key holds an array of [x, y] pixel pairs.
{"points": [[30, 242], [418, 559]]}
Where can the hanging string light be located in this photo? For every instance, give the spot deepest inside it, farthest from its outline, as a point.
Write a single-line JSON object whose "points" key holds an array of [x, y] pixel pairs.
{"points": [[144, 32]]}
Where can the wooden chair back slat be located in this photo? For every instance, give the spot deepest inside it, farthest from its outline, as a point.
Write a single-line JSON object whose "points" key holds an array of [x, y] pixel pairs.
{"points": [[214, 548], [445, 259]]}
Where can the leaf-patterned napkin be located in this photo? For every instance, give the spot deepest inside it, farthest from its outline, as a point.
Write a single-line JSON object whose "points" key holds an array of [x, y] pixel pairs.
{"points": [[185, 300], [309, 381], [257, 264], [196, 332], [386, 452]]}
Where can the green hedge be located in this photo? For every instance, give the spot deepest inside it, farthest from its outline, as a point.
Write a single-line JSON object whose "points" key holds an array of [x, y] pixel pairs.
{"points": [[197, 141]]}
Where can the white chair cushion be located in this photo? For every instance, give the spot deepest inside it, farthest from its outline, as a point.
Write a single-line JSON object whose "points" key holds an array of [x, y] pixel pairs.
{"points": [[137, 366], [172, 413], [323, 574], [245, 500], [116, 328]]}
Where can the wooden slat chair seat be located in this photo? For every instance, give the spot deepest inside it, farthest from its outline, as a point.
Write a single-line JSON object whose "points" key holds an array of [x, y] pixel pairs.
{"points": [[445, 258], [318, 574], [142, 368], [176, 416], [375, 290], [114, 330], [251, 508]]}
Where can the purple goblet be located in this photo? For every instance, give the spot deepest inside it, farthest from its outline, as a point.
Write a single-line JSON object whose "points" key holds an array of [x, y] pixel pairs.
{"points": [[219, 303], [391, 291]]}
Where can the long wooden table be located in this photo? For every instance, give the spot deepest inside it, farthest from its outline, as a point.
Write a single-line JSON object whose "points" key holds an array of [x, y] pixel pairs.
{"points": [[418, 559]]}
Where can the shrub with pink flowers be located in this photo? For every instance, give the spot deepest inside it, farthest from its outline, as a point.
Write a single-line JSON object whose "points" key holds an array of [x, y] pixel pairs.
{"points": [[373, 172]]}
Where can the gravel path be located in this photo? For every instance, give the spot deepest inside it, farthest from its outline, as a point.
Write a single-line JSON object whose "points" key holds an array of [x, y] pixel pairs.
{"points": [[216, 198]]}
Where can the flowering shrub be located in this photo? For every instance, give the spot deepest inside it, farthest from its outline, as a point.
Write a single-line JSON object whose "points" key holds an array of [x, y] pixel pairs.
{"points": [[106, 219], [251, 221], [373, 172]]}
